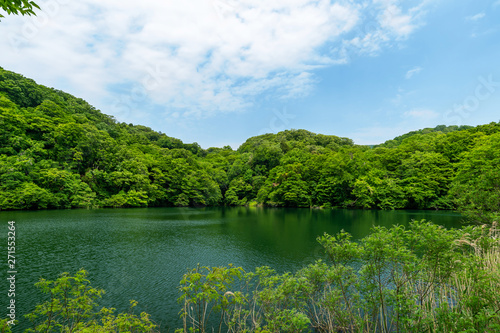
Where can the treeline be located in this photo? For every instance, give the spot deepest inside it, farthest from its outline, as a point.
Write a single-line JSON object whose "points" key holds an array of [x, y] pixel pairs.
{"points": [[57, 151]]}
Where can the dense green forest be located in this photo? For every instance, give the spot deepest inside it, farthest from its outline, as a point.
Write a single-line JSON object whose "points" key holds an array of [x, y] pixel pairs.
{"points": [[57, 151]]}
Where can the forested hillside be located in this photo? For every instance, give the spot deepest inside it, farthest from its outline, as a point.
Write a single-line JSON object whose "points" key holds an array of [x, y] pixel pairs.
{"points": [[57, 151]]}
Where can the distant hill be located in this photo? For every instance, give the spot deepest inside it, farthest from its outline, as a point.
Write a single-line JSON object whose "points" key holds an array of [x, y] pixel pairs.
{"points": [[57, 151], [440, 129]]}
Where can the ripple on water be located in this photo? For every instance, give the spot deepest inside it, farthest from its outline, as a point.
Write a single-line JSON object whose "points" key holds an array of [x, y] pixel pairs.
{"points": [[142, 254]]}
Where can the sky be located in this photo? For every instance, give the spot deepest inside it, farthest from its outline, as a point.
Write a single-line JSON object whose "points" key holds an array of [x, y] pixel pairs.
{"points": [[217, 72]]}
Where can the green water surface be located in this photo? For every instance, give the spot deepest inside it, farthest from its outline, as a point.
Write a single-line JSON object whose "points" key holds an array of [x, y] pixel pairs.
{"points": [[142, 254]]}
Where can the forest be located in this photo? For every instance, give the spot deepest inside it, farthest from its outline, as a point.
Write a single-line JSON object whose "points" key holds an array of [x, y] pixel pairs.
{"points": [[57, 151]]}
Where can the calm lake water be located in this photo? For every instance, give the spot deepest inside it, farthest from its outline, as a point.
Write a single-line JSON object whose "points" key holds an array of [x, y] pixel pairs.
{"points": [[142, 254]]}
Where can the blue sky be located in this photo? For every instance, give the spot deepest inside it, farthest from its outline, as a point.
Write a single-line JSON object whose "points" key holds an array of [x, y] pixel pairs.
{"points": [[217, 72]]}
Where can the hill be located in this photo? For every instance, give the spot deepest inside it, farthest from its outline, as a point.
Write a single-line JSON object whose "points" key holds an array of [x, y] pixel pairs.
{"points": [[439, 129], [57, 151]]}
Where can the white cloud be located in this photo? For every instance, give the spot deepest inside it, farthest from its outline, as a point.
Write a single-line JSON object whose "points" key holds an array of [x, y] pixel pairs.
{"points": [[392, 18], [398, 22], [413, 72], [421, 114], [476, 17], [200, 57]]}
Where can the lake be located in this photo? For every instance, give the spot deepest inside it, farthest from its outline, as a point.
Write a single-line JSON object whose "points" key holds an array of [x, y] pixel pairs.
{"points": [[142, 254]]}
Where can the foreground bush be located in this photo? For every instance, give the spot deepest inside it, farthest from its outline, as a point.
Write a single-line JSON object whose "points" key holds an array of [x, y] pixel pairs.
{"points": [[423, 278], [72, 307]]}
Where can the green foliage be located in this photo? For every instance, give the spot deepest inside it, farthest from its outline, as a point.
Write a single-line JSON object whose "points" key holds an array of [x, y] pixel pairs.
{"points": [[438, 129], [228, 299], [239, 192], [57, 151], [72, 307], [5, 327], [423, 278], [130, 199], [286, 187], [477, 185], [27, 196], [207, 291], [18, 7]]}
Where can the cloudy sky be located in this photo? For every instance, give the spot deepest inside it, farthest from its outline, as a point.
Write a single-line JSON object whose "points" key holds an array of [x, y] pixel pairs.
{"points": [[217, 72]]}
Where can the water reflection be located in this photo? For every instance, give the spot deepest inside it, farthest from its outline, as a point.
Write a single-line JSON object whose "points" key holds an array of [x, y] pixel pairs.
{"points": [[142, 254]]}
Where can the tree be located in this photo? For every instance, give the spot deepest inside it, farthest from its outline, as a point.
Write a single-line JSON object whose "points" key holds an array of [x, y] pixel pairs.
{"points": [[426, 178], [285, 187], [239, 192], [16, 7], [72, 307], [476, 188]]}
